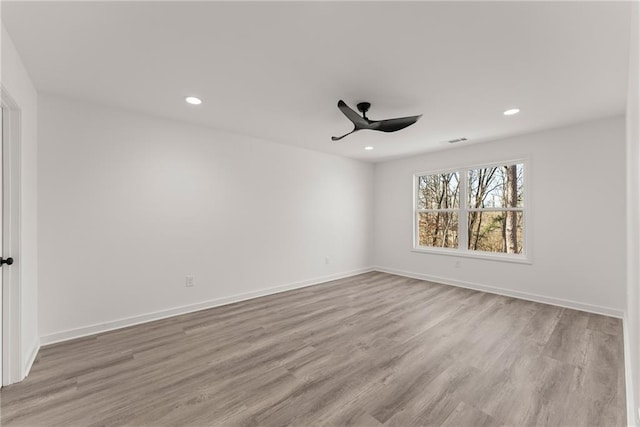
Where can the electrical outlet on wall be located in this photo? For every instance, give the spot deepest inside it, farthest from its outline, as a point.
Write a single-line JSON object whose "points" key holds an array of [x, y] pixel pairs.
{"points": [[189, 283], [327, 260], [457, 264]]}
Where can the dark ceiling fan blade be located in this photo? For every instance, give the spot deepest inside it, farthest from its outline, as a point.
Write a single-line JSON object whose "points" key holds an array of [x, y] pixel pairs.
{"points": [[338, 138], [392, 125], [358, 121]]}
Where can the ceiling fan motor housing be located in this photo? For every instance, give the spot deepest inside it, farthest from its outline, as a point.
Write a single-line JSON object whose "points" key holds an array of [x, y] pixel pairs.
{"points": [[363, 107]]}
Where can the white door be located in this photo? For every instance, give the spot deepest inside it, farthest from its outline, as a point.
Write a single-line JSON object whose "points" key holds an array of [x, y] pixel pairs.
{"points": [[1, 252], [6, 368]]}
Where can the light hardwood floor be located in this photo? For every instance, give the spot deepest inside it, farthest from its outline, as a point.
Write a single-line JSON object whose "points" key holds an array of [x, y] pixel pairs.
{"points": [[373, 349]]}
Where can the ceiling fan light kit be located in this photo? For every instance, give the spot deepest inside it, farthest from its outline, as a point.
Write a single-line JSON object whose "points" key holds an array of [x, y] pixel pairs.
{"points": [[359, 123]]}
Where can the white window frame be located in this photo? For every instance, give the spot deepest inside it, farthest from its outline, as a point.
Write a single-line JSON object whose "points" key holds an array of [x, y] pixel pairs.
{"points": [[462, 251]]}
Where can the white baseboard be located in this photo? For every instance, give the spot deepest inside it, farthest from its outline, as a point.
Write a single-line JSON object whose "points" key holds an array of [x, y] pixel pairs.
{"points": [[150, 317], [33, 352], [607, 311], [632, 421]]}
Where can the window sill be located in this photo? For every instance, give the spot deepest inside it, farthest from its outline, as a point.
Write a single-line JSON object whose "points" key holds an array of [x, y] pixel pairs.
{"points": [[517, 259]]}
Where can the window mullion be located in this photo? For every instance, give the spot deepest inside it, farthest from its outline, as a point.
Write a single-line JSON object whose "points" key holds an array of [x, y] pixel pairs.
{"points": [[463, 219]]}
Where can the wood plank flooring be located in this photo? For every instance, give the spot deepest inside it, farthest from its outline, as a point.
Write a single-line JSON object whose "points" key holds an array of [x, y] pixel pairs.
{"points": [[371, 350]]}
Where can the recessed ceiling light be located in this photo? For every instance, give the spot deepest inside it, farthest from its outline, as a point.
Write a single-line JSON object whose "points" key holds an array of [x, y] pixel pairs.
{"points": [[193, 100], [511, 112], [368, 148]]}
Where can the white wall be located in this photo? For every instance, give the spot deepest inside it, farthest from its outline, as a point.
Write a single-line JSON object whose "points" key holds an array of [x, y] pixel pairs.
{"points": [[131, 204], [577, 180], [16, 81], [633, 222]]}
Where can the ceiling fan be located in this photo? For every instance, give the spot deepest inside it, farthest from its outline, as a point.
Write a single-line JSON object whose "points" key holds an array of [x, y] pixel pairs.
{"points": [[389, 125]]}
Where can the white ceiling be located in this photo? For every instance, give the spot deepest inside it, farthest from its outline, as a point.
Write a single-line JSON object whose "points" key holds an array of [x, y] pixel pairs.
{"points": [[277, 70]]}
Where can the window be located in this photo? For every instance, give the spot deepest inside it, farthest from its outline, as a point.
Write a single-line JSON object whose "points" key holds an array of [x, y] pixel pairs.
{"points": [[472, 211]]}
